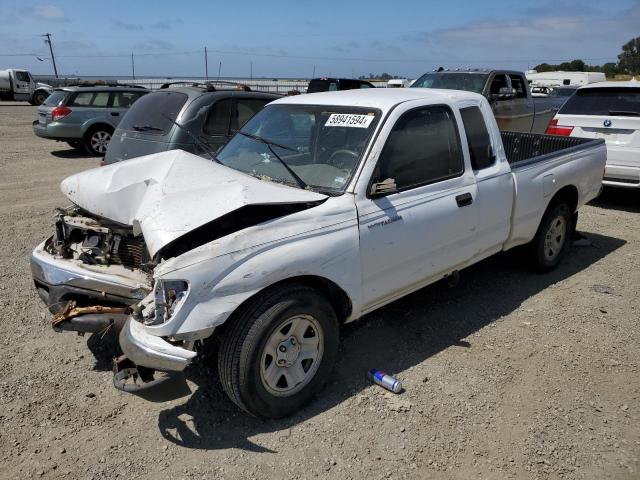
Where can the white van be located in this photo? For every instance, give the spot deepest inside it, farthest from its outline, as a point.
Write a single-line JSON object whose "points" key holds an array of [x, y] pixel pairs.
{"points": [[398, 83], [608, 110], [555, 79]]}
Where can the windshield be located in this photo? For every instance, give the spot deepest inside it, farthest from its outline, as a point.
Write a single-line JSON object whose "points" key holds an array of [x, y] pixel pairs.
{"points": [[615, 101], [322, 145], [471, 82]]}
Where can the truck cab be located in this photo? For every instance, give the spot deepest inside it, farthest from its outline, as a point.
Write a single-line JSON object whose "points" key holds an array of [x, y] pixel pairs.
{"points": [[507, 91], [19, 85]]}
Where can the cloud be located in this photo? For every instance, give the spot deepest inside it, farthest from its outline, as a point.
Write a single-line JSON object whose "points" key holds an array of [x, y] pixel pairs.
{"points": [[552, 37], [120, 25], [166, 24], [153, 45], [45, 12]]}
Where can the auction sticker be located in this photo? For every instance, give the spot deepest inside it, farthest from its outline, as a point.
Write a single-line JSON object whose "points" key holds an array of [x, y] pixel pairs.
{"points": [[349, 120]]}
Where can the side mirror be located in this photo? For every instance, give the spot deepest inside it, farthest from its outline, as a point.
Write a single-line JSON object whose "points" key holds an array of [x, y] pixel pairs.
{"points": [[380, 189], [505, 93]]}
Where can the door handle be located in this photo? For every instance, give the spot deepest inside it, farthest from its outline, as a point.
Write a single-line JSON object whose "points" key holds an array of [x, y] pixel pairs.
{"points": [[115, 114], [464, 199]]}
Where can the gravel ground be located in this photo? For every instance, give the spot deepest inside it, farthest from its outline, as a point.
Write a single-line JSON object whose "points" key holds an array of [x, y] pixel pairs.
{"points": [[507, 375]]}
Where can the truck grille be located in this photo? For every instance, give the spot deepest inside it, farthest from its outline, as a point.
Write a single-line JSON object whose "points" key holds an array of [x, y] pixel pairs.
{"points": [[131, 252]]}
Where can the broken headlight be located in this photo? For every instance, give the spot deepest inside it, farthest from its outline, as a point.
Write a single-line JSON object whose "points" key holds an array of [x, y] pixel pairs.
{"points": [[169, 295]]}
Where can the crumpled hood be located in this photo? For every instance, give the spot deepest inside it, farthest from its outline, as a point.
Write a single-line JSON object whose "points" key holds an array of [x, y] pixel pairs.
{"points": [[168, 194]]}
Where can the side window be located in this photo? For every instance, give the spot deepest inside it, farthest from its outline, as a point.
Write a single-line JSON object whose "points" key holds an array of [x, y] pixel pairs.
{"points": [[333, 86], [423, 147], [125, 99], [22, 76], [217, 122], [477, 137], [518, 84], [245, 109], [101, 99], [82, 99], [498, 82]]}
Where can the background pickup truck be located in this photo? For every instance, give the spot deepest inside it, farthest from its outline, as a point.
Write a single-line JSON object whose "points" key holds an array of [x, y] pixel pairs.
{"points": [[324, 207], [508, 93]]}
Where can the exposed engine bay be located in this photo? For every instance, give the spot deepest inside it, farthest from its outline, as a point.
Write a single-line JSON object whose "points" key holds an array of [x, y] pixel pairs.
{"points": [[98, 241]]}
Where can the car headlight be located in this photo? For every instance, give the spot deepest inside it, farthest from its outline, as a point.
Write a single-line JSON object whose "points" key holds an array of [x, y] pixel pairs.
{"points": [[169, 296]]}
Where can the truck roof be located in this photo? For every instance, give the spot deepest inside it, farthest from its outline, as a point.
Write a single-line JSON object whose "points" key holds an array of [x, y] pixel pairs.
{"points": [[483, 71], [381, 98]]}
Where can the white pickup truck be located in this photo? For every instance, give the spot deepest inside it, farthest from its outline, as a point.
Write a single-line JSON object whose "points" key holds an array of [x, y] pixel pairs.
{"points": [[324, 207]]}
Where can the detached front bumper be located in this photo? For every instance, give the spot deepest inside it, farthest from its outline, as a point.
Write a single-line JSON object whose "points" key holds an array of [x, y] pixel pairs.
{"points": [[150, 351]]}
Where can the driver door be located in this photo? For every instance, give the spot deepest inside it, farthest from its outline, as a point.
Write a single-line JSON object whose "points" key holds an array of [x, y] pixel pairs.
{"points": [[427, 227]]}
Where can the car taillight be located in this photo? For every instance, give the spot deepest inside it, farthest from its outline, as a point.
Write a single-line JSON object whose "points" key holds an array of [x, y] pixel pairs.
{"points": [[59, 112], [554, 129]]}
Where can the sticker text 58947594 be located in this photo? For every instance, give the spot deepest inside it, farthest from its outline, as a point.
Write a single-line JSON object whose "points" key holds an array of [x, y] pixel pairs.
{"points": [[349, 120]]}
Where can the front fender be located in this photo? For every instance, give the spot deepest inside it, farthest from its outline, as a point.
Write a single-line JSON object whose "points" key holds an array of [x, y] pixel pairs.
{"points": [[219, 284]]}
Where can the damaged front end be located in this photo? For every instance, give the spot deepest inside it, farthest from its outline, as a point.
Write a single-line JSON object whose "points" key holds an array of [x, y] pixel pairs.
{"points": [[96, 275], [90, 272]]}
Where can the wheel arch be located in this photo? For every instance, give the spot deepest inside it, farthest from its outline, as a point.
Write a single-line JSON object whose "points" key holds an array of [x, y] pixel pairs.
{"points": [[335, 295], [567, 194], [92, 125]]}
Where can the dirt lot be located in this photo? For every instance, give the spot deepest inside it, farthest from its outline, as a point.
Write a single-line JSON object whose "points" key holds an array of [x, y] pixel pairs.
{"points": [[507, 375]]}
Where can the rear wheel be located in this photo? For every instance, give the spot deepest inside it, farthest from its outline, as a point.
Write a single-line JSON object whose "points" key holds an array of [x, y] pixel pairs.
{"points": [[553, 237], [39, 97], [279, 351], [97, 140]]}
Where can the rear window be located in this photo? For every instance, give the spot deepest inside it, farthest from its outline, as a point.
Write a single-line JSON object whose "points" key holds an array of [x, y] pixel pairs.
{"points": [[149, 114], [322, 86], [614, 101], [55, 98]]}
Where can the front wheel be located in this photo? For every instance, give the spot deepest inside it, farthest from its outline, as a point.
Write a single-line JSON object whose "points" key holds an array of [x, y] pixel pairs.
{"points": [[39, 97], [279, 351], [553, 238]]}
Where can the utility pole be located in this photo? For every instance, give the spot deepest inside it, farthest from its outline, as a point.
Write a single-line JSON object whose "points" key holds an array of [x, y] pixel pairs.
{"points": [[314, 72], [206, 64], [251, 70], [133, 67], [219, 68], [53, 59]]}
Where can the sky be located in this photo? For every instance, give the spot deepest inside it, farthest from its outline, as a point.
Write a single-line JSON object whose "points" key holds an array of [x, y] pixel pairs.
{"points": [[285, 39]]}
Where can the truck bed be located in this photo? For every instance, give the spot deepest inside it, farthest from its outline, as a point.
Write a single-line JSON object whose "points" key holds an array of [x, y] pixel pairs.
{"points": [[523, 149]]}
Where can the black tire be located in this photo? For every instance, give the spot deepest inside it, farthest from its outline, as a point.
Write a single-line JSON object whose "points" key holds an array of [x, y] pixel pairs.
{"points": [[553, 238], [97, 139], [77, 144], [245, 345], [39, 97]]}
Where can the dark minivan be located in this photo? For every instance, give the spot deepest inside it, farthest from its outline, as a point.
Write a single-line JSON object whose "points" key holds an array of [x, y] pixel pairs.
{"points": [[192, 118]]}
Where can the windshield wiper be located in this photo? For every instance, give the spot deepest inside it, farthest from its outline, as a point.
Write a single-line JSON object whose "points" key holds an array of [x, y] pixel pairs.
{"points": [[624, 113], [265, 141], [270, 146], [146, 128], [199, 142]]}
